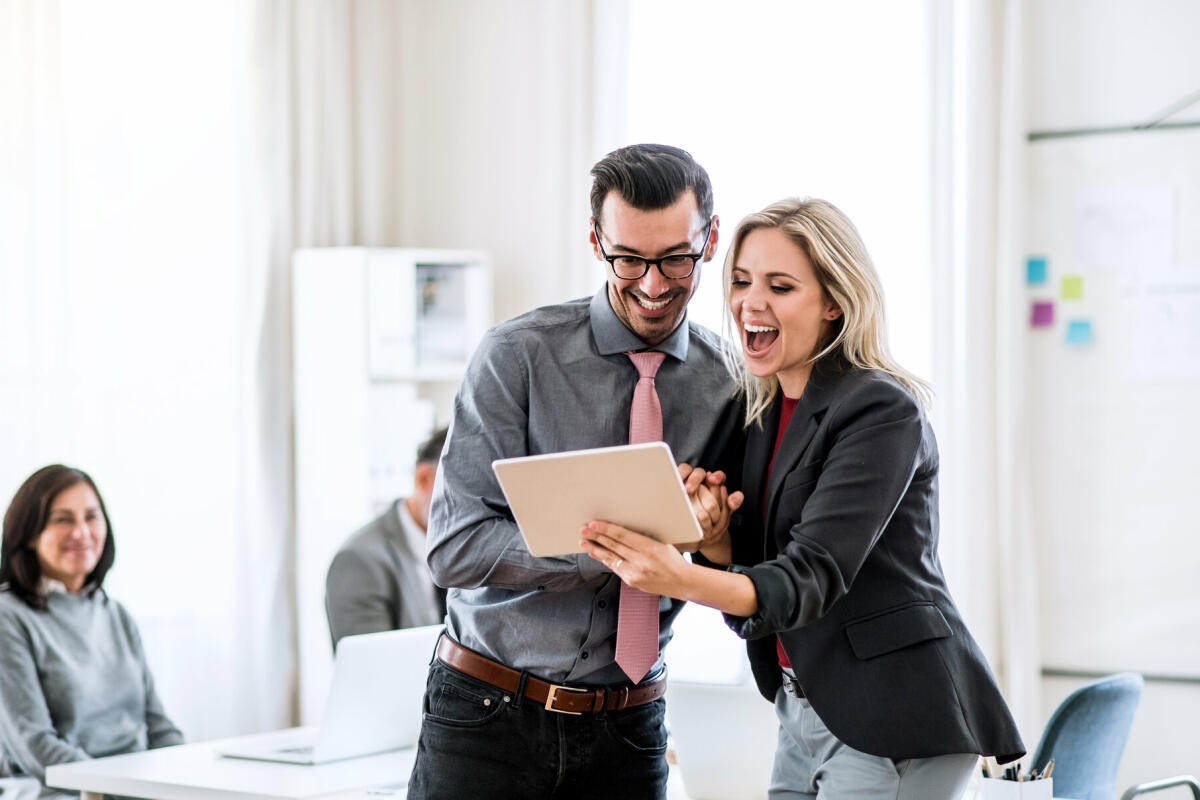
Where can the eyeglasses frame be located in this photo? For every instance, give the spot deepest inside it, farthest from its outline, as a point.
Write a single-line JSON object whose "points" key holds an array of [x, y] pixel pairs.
{"points": [[646, 262]]}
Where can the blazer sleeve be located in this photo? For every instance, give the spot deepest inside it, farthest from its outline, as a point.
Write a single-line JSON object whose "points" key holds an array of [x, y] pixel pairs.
{"points": [[358, 597], [876, 439]]}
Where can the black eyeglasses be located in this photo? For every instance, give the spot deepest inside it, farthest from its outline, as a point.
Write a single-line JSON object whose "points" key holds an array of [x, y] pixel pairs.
{"points": [[674, 267]]}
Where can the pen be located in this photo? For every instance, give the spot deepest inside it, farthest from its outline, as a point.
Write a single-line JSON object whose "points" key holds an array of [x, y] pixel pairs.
{"points": [[1046, 770]]}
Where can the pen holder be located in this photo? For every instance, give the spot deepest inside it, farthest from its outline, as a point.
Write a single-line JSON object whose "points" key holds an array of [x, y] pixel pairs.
{"points": [[996, 789]]}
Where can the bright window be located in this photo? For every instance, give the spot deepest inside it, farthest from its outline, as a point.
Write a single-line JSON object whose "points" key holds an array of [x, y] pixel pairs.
{"points": [[779, 98]]}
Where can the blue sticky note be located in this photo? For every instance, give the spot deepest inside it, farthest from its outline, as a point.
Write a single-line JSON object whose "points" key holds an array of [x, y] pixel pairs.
{"points": [[1035, 269], [1079, 331]]}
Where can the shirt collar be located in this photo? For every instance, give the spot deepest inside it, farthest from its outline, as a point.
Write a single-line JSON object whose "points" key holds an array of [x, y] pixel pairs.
{"points": [[613, 337], [48, 585], [413, 535]]}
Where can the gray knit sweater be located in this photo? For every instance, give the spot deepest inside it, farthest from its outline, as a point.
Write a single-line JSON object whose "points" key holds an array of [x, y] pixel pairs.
{"points": [[74, 683]]}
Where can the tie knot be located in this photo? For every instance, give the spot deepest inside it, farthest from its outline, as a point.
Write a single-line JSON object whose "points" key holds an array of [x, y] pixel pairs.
{"points": [[647, 363]]}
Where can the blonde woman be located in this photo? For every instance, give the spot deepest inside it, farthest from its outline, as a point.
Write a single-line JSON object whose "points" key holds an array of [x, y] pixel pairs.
{"points": [[833, 576]]}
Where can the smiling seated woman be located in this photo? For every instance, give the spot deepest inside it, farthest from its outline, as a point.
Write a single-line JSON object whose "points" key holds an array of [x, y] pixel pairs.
{"points": [[74, 683]]}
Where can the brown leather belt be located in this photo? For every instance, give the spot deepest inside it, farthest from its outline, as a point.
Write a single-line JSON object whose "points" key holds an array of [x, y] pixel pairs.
{"points": [[552, 697]]}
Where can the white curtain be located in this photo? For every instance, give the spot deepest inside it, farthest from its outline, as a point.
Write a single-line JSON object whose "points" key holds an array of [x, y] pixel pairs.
{"points": [[126, 318], [504, 108], [318, 119], [978, 186], [158, 165]]}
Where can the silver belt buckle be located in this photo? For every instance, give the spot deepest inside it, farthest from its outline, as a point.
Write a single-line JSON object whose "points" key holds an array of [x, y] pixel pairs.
{"points": [[554, 689]]}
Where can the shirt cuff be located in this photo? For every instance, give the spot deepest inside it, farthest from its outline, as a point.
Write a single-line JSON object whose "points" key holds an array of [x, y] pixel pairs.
{"points": [[699, 559]]}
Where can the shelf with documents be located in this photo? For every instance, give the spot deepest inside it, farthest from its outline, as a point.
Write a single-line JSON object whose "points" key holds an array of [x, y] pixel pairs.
{"points": [[381, 337]]}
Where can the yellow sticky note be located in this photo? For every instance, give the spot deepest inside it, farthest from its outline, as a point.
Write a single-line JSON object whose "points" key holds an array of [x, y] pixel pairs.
{"points": [[1072, 287]]}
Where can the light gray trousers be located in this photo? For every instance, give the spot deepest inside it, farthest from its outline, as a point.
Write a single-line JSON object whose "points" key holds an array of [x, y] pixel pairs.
{"points": [[810, 762]]}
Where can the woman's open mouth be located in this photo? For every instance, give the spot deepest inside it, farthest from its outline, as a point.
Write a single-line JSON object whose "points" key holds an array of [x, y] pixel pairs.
{"points": [[759, 338]]}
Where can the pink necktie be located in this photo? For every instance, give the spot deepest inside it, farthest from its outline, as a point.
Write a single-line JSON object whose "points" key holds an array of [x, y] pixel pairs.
{"points": [[637, 614]]}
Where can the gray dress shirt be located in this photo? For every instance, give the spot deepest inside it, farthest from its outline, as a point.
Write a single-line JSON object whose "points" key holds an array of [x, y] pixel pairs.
{"points": [[554, 379]]}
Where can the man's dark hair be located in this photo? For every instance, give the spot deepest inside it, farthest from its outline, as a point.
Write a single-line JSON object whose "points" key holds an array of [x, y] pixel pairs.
{"points": [[650, 177], [430, 450], [25, 520]]}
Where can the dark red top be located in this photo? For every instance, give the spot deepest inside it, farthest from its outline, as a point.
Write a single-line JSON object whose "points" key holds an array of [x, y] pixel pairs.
{"points": [[785, 416]]}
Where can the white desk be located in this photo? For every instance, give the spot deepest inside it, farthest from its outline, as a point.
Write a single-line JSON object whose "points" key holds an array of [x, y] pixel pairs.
{"points": [[196, 772]]}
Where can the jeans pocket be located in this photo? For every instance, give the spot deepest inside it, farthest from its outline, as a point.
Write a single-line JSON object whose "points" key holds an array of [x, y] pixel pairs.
{"points": [[640, 729], [458, 700]]}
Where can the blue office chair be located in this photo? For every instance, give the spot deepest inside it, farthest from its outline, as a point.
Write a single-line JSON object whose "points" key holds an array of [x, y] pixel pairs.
{"points": [[1086, 736], [1167, 783]]}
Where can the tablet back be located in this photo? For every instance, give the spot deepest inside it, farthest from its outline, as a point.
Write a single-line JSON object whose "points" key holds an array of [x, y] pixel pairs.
{"points": [[635, 485]]}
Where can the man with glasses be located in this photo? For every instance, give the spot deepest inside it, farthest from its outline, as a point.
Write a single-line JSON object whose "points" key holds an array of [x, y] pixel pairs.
{"points": [[526, 697]]}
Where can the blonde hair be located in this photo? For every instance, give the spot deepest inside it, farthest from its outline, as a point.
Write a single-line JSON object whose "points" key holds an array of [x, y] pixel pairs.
{"points": [[846, 273]]}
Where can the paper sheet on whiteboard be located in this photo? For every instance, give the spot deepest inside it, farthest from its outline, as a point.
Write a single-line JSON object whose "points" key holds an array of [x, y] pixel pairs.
{"points": [[1163, 307], [1124, 229]]}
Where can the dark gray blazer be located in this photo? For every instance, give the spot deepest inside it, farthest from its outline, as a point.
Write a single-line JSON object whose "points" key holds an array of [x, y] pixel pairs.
{"points": [[372, 584], [843, 555]]}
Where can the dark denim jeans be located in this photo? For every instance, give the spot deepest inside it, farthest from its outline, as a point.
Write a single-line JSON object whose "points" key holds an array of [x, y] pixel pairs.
{"points": [[478, 742]]}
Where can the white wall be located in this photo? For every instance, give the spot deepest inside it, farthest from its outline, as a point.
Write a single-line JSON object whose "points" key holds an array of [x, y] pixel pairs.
{"points": [[1109, 62], [790, 101], [763, 137], [1121, 546]]}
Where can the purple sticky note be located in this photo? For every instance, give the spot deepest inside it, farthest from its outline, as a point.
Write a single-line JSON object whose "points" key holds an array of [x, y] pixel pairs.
{"points": [[1042, 315]]}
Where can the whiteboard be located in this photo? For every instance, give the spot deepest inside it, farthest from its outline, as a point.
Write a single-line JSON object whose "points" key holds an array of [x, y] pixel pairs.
{"points": [[1115, 422]]}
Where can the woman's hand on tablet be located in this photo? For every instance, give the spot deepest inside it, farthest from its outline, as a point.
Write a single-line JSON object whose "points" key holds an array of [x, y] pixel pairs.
{"points": [[638, 560]]}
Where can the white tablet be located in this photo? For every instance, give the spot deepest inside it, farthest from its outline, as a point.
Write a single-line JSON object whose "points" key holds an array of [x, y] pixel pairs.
{"points": [[636, 485]]}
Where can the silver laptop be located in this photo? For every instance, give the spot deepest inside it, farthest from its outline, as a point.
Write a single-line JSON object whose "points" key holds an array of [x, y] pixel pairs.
{"points": [[724, 739], [374, 702]]}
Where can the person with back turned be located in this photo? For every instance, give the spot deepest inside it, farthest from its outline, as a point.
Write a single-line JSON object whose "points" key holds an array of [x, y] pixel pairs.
{"points": [[378, 580]]}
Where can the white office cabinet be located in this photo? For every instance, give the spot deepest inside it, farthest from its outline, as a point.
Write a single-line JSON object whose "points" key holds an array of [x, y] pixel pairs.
{"points": [[380, 340]]}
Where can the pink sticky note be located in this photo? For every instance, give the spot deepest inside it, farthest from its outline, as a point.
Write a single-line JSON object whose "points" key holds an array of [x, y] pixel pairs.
{"points": [[1042, 315]]}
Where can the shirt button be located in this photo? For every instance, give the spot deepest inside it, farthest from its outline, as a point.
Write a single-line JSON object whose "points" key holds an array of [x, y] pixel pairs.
{"points": [[602, 604], [541, 588], [583, 654]]}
